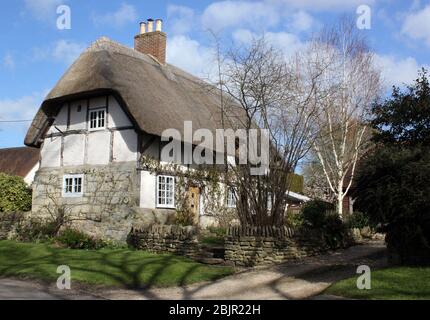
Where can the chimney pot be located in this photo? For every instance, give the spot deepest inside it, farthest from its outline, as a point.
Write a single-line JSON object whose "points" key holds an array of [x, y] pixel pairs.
{"points": [[150, 25], [158, 25], [150, 42], [142, 27]]}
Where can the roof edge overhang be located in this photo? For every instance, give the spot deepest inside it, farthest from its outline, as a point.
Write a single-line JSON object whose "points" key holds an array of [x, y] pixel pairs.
{"points": [[51, 107]]}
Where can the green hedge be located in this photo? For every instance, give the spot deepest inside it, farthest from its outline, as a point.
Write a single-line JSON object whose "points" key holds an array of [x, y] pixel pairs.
{"points": [[296, 183], [15, 195]]}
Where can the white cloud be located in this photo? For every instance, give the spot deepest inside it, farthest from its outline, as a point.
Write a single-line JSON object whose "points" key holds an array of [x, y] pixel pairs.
{"points": [[64, 51], [191, 56], [42, 9], [180, 19], [264, 14], [321, 5], [417, 25], [225, 14], [9, 62], [397, 71], [67, 51], [23, 108], [126, 13], [288, 43], [302, 21]]}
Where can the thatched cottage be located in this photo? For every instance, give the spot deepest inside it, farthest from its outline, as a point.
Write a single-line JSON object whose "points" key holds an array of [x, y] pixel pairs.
{"points": [[102, 118]]}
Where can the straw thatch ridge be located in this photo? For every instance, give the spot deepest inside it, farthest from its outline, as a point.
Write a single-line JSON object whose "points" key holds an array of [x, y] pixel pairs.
{"points": [[156, 97]]}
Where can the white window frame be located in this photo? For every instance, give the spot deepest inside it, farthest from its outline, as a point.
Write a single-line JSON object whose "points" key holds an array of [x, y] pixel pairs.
{"points": [[97, 110], [159, 203], [74, 193], [231, 198]]}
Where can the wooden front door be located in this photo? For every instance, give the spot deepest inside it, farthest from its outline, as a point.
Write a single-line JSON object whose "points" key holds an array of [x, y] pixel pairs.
{"points": [[194, 202]]}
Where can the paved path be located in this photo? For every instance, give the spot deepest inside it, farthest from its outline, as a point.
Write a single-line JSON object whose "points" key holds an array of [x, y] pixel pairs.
{"points": [[11, 289], [299, 280]]}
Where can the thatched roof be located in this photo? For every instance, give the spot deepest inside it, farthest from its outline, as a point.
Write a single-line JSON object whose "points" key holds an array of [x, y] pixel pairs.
{"points": [[18, 161], [157, 97]]}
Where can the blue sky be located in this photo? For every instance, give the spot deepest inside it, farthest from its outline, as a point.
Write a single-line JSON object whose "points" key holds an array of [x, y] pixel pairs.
{"points": [[34, 53]]}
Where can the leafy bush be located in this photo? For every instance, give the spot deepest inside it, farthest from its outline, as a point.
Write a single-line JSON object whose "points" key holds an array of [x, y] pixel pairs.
{"points": [[74, 239], [319, 216], [294, 219], [335, 232], [358, 220], [315, 213], [392, 183], [14, 194], [35, 230], [220, 232], [185, 218]]}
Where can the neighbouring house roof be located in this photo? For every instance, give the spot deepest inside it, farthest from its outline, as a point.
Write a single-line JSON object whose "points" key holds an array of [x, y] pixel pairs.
{"points": [[157, 97], [298, 197], [18, 161]]}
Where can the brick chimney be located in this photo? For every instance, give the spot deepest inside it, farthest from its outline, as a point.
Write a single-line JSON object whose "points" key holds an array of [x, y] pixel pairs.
{"points": [[152, 42]]}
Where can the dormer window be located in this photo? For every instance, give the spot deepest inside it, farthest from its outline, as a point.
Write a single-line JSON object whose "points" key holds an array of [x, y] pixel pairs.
{"points": [[97, 119]]}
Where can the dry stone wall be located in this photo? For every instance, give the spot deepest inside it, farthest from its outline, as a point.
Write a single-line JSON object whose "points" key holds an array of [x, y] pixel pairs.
{"points": [[166, 239], [251, 246]]}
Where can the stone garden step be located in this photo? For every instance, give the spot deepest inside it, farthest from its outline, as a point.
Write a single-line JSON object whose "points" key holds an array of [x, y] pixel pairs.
{"points": [[211, 261]]}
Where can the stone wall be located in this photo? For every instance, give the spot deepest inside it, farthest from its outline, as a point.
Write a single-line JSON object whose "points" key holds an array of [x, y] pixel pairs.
{"points": [[166, 239], [106, 209], [251, 246], [8, 224]]}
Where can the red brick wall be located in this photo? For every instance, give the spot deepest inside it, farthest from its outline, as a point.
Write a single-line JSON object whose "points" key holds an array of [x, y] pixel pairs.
{"points": [[153, 43]]}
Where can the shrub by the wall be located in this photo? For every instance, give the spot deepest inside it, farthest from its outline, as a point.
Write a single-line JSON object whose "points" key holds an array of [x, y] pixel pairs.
{"points": [[315, 213], [33, 230], [74, 239], [319, 216], [358, 220], [14, 194]]}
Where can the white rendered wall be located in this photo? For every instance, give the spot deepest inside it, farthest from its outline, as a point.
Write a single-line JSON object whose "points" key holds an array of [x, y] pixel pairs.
{"points": [[117, 117], [73, 150], [147, 190], [124, 146], [95, 147], [29, 178], [60, 121], [78, 118], [51, 153], [98, 143], [98, 102]]}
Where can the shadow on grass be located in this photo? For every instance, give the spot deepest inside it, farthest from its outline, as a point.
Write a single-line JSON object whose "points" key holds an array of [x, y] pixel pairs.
{"points": [[123, 268], [142, 272]]}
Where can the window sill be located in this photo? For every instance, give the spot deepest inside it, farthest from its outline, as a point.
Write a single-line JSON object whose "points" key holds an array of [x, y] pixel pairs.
{"points": [[166, 207]]}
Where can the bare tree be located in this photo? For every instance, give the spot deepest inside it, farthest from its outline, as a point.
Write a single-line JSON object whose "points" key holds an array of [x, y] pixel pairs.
{"points": [[316, 186], [350, 83], [274, 94]]}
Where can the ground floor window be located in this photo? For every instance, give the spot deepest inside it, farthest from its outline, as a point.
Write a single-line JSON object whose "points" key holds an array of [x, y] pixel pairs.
{"points": [[73, 185], [165, 192], [231, 198]]}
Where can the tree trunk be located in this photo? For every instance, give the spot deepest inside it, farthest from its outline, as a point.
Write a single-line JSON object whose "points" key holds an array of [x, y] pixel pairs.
{"points": [[339, 208]]}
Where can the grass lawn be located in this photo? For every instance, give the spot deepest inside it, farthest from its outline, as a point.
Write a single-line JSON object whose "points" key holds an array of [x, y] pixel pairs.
{"points": [[398, 283], [110, 267]]}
